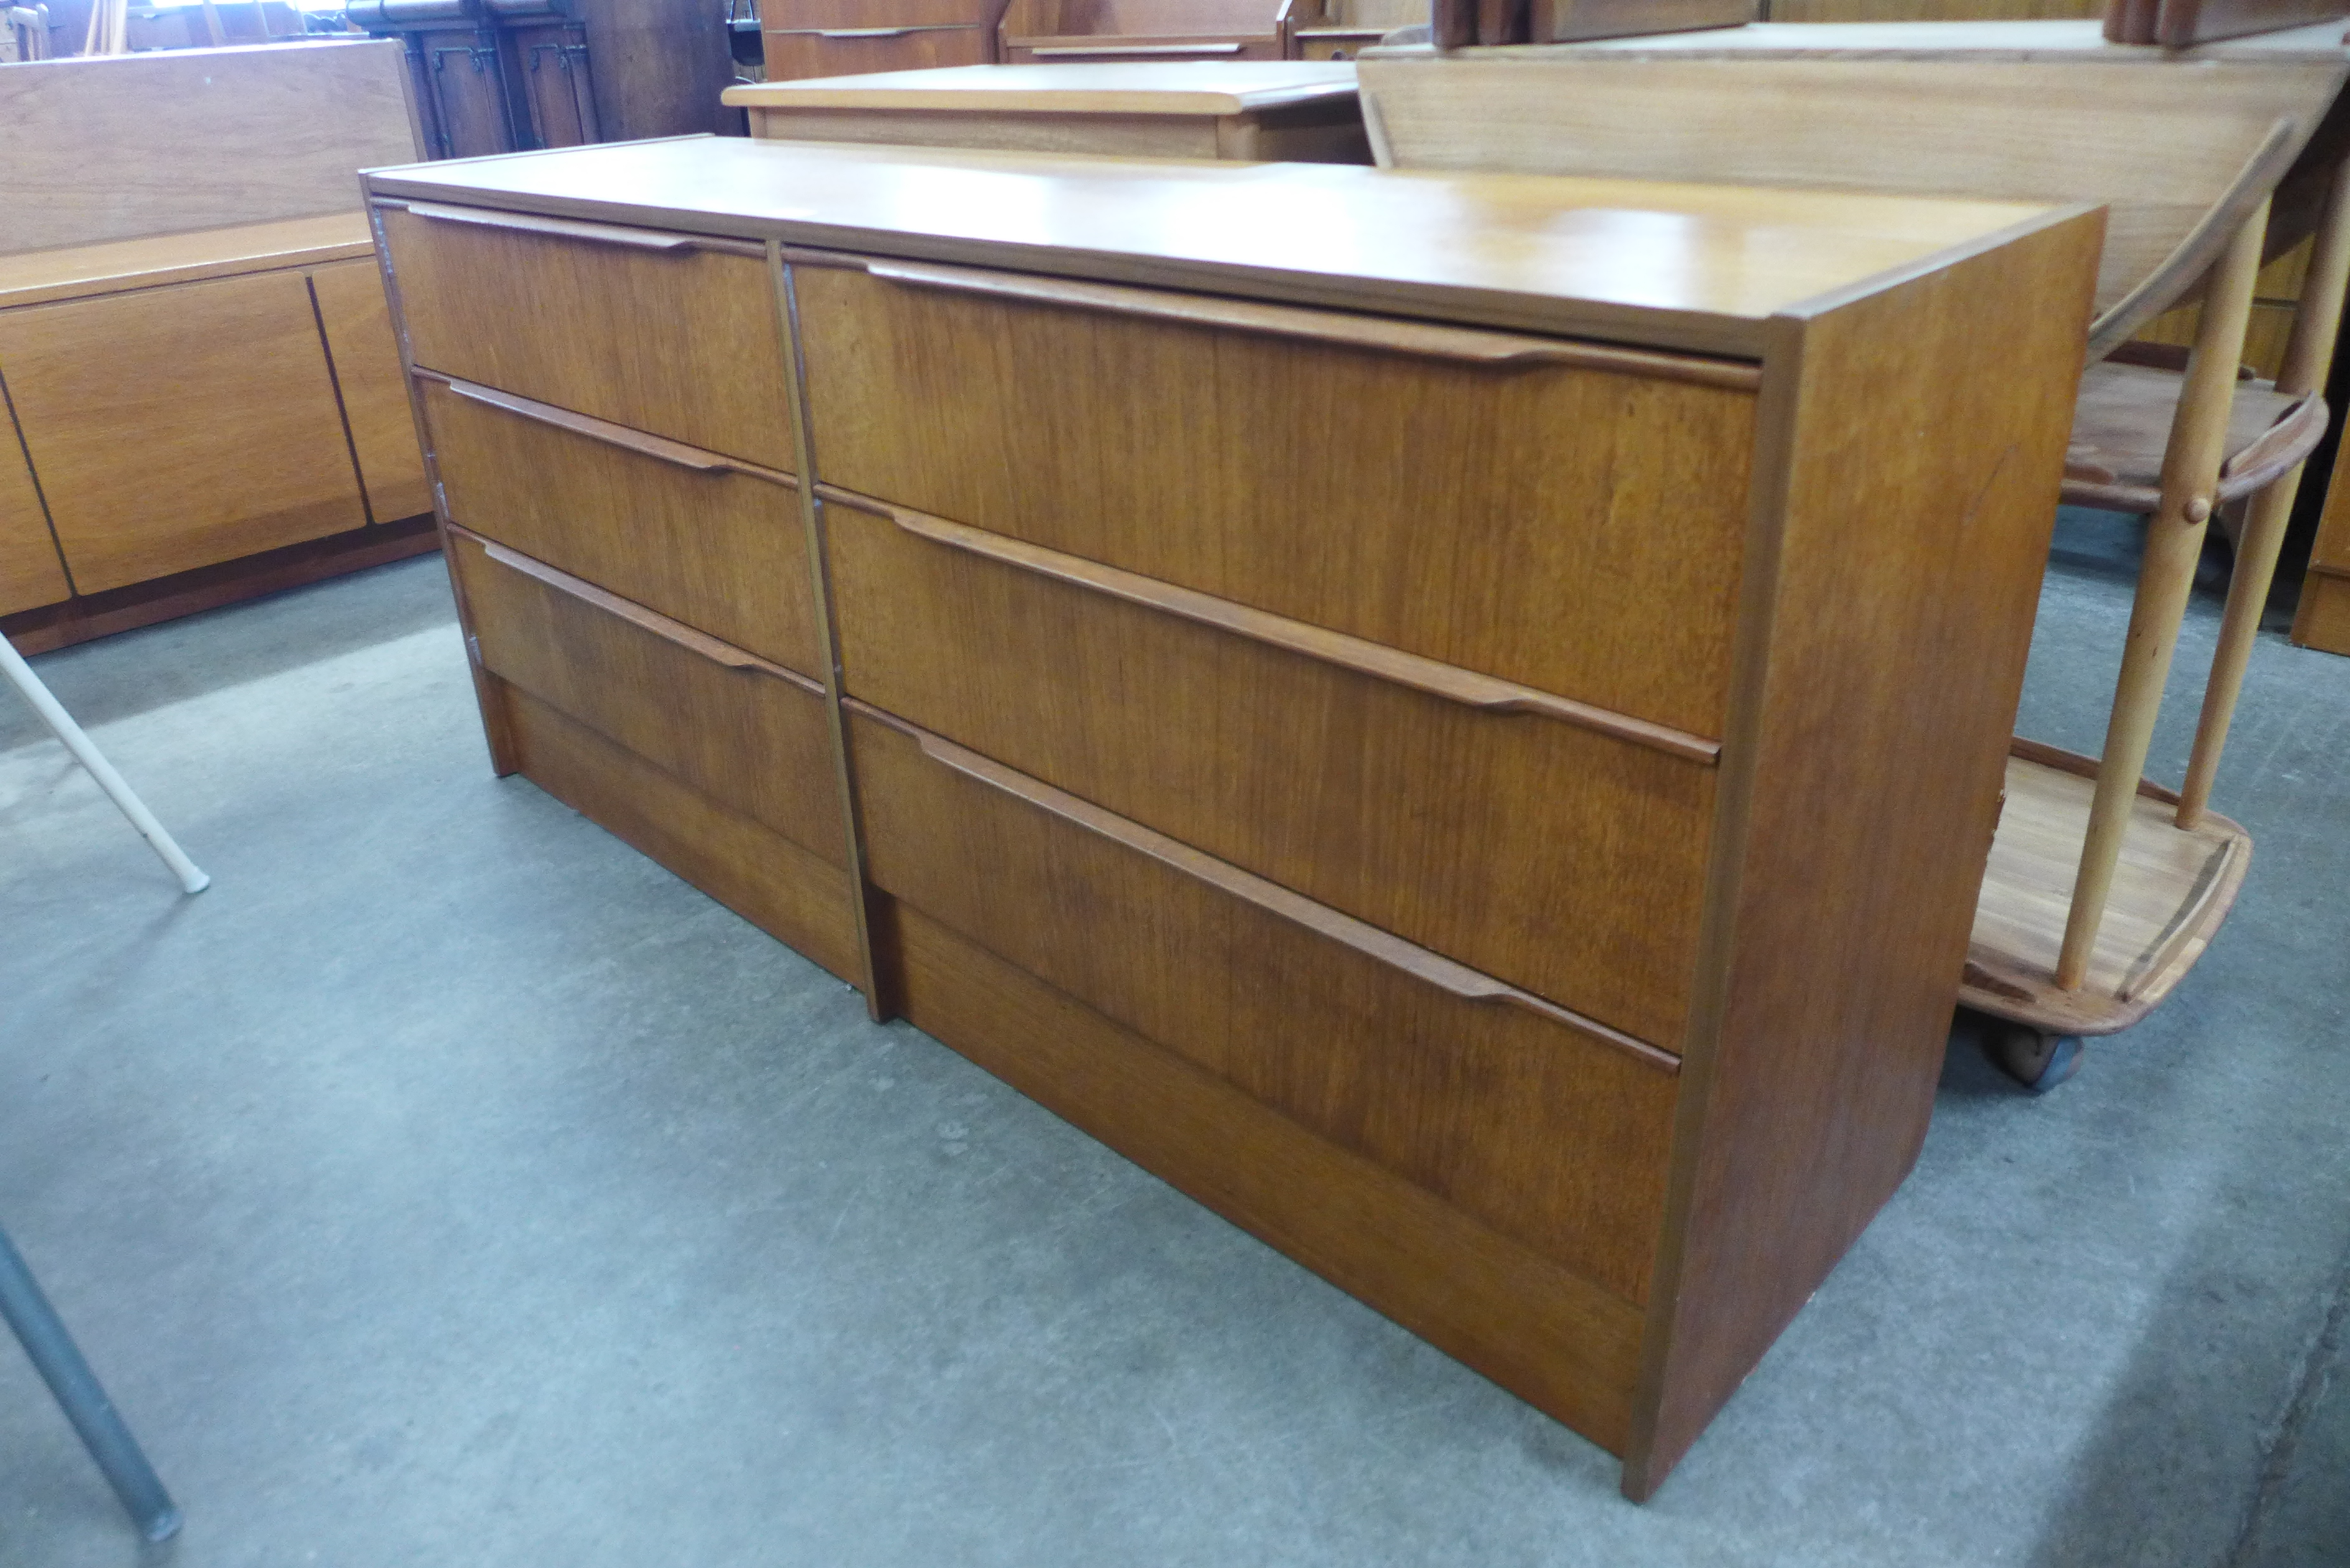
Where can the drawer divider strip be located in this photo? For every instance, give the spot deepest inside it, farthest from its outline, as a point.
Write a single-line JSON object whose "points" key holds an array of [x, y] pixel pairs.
{"points": [[1434, 677], [1433, 969], [676, 631], [643, 443]]}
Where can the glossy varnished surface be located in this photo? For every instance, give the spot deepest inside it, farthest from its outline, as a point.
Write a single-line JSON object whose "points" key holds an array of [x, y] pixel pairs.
{"points": [[1695, 265]]}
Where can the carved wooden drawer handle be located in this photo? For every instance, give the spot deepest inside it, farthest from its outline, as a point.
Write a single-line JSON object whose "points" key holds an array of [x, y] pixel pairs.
{"points": [[1419, 339], [672, 632], [643, 443], [1486, 693], [564, 228], [1457, 979]]}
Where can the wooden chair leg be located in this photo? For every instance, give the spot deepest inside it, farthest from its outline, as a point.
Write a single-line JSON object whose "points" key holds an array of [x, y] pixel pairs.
{"points": [[2307, 357], [2174, 541]]}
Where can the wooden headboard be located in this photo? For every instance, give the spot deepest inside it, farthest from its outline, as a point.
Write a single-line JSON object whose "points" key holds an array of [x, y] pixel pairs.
{"points": [[115, 147]]}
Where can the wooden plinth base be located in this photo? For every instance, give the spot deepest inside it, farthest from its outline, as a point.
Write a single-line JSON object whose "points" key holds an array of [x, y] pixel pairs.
{"points": [[207, 588], [2170, 893]]}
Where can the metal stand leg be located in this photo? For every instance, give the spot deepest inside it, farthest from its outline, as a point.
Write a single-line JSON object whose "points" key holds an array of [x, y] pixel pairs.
{"points": [[85, 1403], [13, 665]]}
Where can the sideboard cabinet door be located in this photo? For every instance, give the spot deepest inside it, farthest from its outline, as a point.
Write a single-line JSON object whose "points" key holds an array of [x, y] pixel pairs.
{"points": [[30, 576], [358, 324], [175, 428]]}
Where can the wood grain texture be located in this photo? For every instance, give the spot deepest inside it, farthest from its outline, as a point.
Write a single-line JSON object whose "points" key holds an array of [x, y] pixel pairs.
{"points": [[719, 551], [2160, 148], [1559, 860], [366, 360], [1861, 785], [177, 427], [752, 741], [790, 894], [1660, 265], [1413, 501], [1546, 1135], [1557, 1340], [2183, 24], [2322, 622], [31, 574], [255, 135], [1566, 21], [683, 343], [80, 271], [2170, 891], [656, 66]]}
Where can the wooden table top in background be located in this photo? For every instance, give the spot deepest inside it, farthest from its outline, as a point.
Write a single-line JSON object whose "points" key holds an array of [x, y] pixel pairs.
{"points": [[1170, 87]]}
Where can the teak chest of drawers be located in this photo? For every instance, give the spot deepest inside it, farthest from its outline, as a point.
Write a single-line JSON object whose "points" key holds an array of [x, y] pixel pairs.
{"points": [[1458, 719]]}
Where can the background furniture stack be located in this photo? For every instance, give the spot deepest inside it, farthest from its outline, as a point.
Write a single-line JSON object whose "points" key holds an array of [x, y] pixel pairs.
{"points": [[507, 76], [205, 394], [1558, 954], [854, 37], [1036, 31]]}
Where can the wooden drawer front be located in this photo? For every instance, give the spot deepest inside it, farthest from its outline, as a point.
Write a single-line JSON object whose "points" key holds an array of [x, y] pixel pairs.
{"points": [[751, 737], [366, 355], [1549, 1133], [792, 56], [1563, 860], [677, 529], [836, 17], [792, 895], [1574, 528], [30, 573], [668, 333], [175, 427]]}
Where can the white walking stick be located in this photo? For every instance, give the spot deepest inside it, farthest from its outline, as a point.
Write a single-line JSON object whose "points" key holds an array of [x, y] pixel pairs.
{"points": [[89, 755]]}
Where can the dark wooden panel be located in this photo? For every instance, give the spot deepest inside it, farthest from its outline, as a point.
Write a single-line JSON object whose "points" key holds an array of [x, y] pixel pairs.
{"points": [[1563, 861], [1889, 617], [753, 740], [1546, 1335], [764, 876], [1574, 529], [658, 64], [1552, 1134], [681, 342], [722, 551]]}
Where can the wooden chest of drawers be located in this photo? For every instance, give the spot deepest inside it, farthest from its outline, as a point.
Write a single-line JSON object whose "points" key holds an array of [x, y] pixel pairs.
{"points": [[1457, 719]]}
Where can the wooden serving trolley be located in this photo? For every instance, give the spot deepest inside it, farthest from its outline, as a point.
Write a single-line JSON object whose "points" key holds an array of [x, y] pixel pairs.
{"points": [[2100, 889]]}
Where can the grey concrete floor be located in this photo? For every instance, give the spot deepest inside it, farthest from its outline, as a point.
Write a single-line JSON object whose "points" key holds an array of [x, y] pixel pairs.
{"points": [[450, 1184]]}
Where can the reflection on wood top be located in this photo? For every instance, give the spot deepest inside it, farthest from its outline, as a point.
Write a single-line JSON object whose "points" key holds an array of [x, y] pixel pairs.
{"points": [[1682, 265], [1173, 87], [33, 276], [2068, 39]]}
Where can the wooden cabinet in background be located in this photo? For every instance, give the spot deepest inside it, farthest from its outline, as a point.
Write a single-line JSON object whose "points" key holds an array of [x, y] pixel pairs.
{"points": [[175, 427], [1036, 31], [30, 573], [806, 38]]}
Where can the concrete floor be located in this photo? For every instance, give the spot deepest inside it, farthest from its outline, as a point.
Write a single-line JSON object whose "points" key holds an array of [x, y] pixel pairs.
{"points": [[450, 1184]]}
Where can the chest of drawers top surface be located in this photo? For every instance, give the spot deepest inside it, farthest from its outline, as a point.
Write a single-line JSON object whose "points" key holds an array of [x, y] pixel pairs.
{"points": [[1701, 267]]}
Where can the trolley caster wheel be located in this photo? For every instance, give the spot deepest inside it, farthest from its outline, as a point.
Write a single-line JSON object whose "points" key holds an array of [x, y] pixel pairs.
{"points": [[2039, 1062]]}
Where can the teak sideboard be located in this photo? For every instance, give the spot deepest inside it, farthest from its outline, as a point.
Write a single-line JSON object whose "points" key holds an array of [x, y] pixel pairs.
{"points": [[1456, 718]]}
